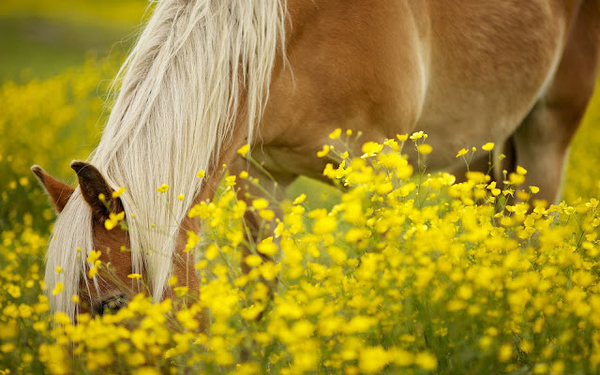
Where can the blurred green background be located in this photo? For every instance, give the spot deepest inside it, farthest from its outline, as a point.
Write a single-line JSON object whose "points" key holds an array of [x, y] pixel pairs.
{"points": [[58, 58], [56, 62], [40, 38]]}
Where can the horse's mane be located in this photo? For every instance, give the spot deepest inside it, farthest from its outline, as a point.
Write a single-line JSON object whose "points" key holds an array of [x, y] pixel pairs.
{"points": [[181, 87]]}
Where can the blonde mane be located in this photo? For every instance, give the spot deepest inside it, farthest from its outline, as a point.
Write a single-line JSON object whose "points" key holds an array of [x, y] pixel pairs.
{"points": [[180, 91]]}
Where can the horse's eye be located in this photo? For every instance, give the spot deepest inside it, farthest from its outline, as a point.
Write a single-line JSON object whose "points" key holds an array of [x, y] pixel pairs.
{"points": [[111, 305]]}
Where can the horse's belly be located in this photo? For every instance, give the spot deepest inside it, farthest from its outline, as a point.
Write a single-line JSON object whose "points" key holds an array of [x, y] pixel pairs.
{"points": [[465, 72]]}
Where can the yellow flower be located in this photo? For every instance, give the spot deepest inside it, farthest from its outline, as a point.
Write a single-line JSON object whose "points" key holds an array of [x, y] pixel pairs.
{"points": [[134, 276], [118, 193], [58, 269], [7, 348], [260, 203], [212, 252], [425, 149], [268, 215], [94, 256], [526, 346], [373, 360], [146, 371], [516, 178], [109, 224], [230, 180], [359, 324], [522, 171], [303, 328], [402, 137], [163, 188], [426, 361], [14, 290], [558, 367], [299, 199], [113, 220], [253, 260], [488, 146], [239, 209], [541, 368], [94, 270], [181, 197], [58, 288], [252, 312], [267, 247], [270, 270], [335, 134], [401, 357], [323, 152], [505, 353], [244, 150], [418, 135], [325, 225], [371, 149], [522, 195], [192, 241], [200, 174], [462, 152], [279, 229]]}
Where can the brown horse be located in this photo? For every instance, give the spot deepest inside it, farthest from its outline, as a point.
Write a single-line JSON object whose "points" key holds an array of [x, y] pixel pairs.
{"points": [[209, 76]]}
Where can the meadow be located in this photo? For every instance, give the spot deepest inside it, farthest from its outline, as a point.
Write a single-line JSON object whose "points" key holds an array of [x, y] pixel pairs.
{"points": [[402, 271]]}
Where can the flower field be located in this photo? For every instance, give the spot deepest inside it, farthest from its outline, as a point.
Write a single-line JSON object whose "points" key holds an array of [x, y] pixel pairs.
{"points": [[396, 270], [403, 271]]}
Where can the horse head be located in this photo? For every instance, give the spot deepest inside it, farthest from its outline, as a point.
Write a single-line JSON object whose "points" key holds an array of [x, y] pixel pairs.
{"points": [[111, 262]]}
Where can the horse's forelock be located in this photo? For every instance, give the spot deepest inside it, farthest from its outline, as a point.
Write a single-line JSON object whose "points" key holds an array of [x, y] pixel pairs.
{"points": [[70, 245]]}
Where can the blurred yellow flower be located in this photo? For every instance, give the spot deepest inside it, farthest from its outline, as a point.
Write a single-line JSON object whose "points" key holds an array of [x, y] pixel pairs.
{"points": [[267, 247], [118, 193], [323, 152], [335, 134], [244, 150], [462, 152], [488, 146], [58, 288], [230, 180], [425, 149], [260, 203]]}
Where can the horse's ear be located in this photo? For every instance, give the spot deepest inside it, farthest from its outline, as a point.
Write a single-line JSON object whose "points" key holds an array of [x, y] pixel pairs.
{"points": [[58, 192], [95, 190]]}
